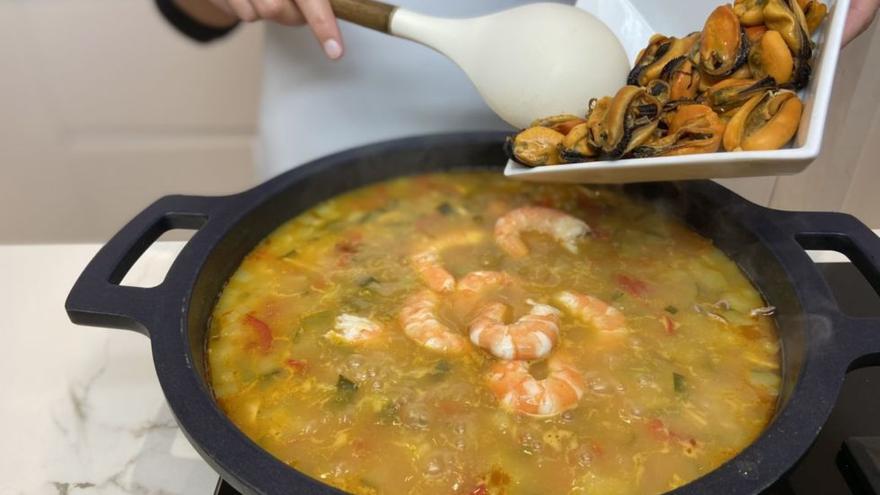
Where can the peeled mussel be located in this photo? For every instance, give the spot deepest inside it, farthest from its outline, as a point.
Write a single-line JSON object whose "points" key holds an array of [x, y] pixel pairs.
{"points": [[770, 56], [766, 122], [629, 121], [749, 12], [692, 128], [596, 113], [732, 93], [707, 81], [559, 123], [576, 145], [787, 18], [682, 77], [660, 51], [659, 89], [535, 146], [724, 46], [728, 86], [814, 14], [543, 142], [754, 33]]}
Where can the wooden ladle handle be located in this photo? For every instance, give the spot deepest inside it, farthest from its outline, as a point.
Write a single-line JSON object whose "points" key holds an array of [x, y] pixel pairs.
{"points": [[366, 13]]}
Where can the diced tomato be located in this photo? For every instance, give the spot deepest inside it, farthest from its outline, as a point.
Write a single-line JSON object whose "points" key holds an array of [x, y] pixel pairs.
{"points": [[344, 260], [297, 365], [262, 331], [351, 244], [669, 325], [597, 449], [658, 429], [632, 286], [661, 432], [319, 282]]}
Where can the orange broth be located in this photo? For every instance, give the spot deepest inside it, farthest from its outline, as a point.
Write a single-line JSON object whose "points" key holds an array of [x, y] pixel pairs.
{"points": [[692, 382]]}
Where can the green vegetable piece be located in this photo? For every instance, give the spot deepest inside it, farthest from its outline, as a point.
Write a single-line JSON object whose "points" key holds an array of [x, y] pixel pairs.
{"points": [[345, 390], [443, 366], [679, 383], [767, 379], [271, 374], [441, 369], [366, 217], [616, 295], [445, 209], [317, 322], [389, 414], [367, 281], [671, 309], [355, 303], [289, 254]]}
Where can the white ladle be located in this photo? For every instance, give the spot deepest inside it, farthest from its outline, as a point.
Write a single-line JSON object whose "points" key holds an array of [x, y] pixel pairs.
{"points": [[527, 62]]}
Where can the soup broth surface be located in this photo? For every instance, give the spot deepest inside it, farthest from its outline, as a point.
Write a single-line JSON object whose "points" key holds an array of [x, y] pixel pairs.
{"points": [[687, 382]]}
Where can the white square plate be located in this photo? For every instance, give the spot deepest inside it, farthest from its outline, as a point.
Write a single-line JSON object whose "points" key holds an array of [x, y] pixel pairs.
{"points": [[633, 22]]}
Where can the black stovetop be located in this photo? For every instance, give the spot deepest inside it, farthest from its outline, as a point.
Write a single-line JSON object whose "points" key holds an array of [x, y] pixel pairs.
{"points": [[846, 455]]}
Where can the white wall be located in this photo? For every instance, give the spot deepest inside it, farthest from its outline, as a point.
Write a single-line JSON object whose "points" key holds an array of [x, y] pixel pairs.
{"points": [[104, 108]]}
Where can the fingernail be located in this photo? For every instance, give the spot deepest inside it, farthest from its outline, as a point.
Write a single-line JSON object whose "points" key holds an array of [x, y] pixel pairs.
{"points": [[332, 48]]}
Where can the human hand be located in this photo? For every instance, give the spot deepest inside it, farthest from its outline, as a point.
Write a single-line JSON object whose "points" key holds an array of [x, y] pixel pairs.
{"points": [[859, 17], [316, 13]]}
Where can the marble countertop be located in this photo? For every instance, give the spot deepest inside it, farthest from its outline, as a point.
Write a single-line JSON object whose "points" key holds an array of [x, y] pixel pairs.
{"points": [[82, 410]]}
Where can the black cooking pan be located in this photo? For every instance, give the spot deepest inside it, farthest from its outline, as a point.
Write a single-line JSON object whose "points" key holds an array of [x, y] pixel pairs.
{"points": [[819, 343]]}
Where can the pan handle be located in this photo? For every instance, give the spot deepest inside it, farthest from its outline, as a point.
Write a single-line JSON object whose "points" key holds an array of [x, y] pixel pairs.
{"points": [[858, 338], [97, 299]]}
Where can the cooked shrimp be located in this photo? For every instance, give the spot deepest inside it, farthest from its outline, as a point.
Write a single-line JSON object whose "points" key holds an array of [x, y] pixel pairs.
{"points": [[517, 390], [531, 337], [471, 288], [419, 321], [593, 310], [428, 264], [351, 329], [481, 280], [563, 227]]}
